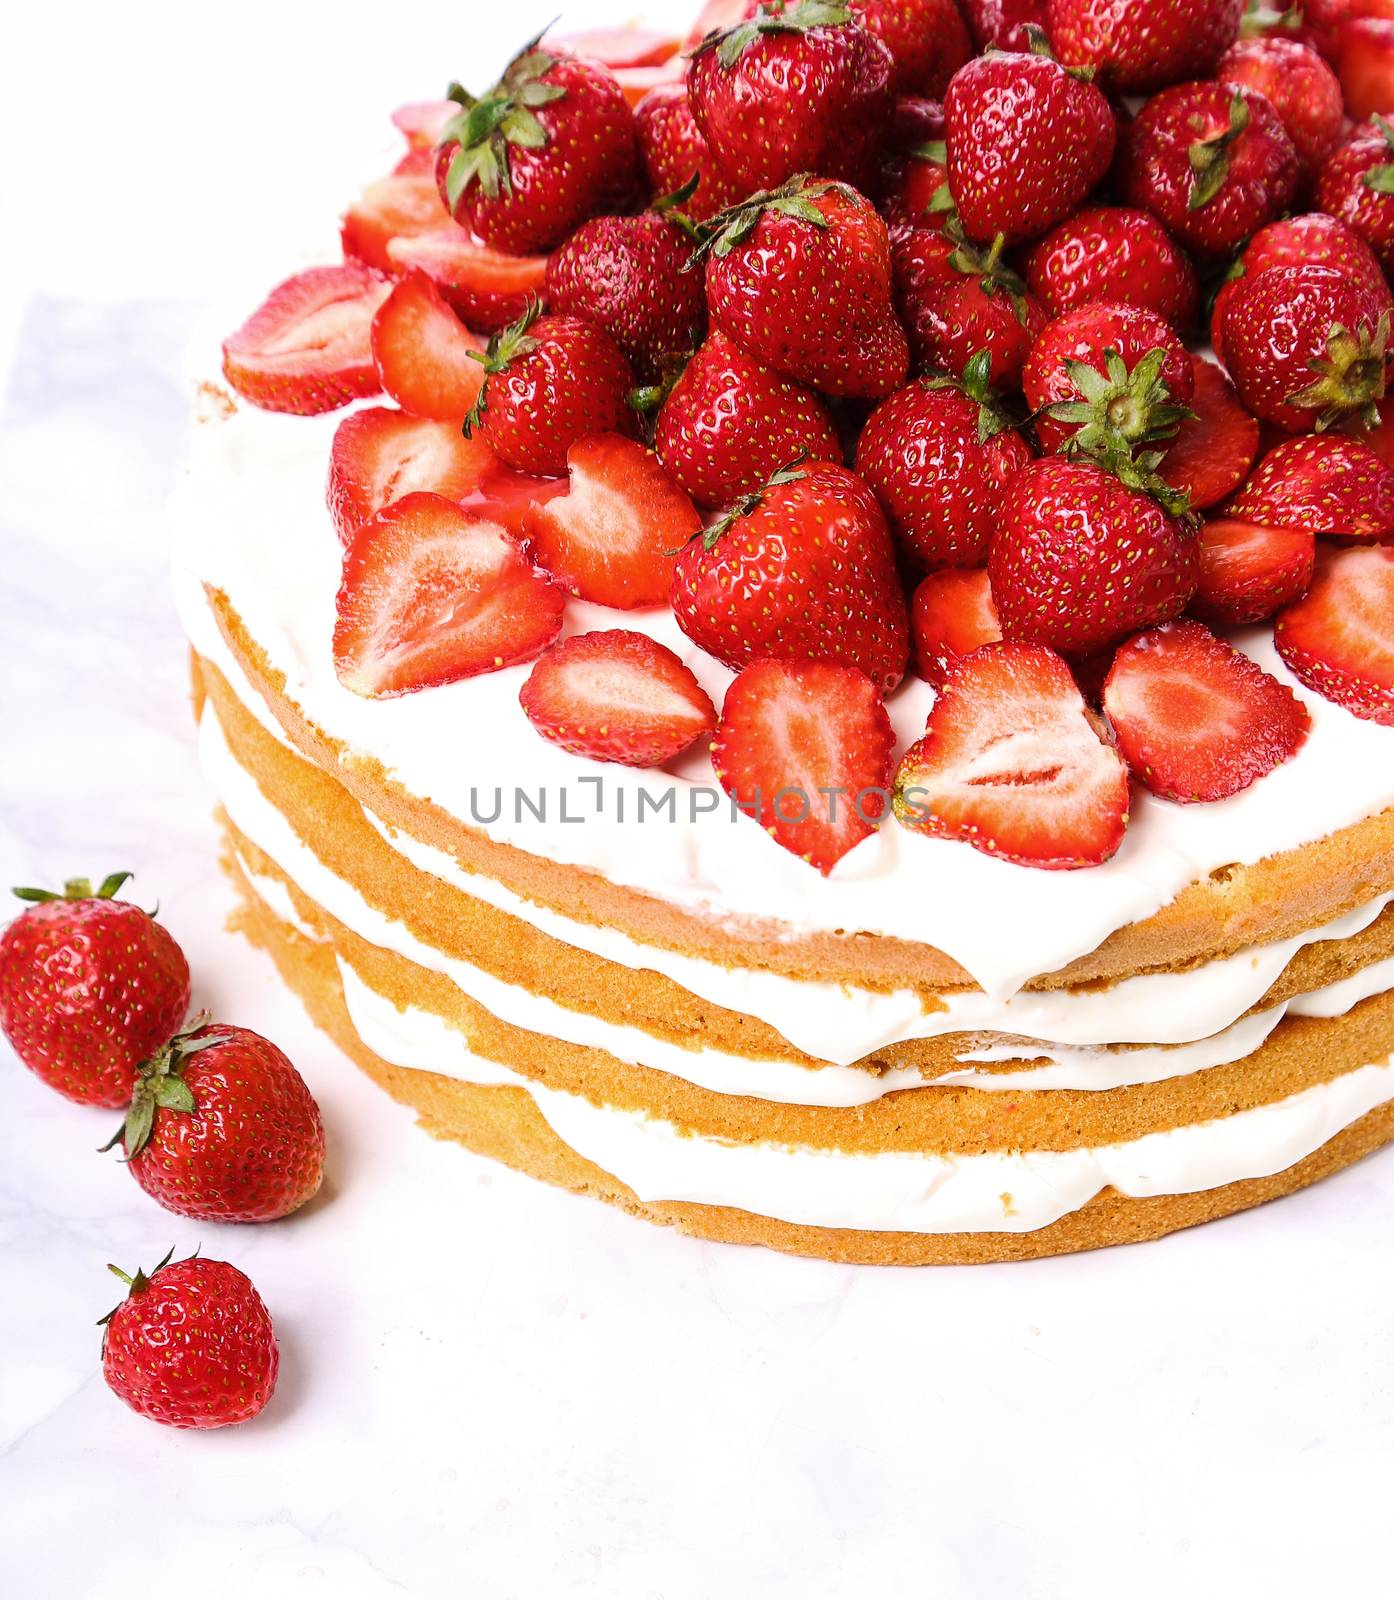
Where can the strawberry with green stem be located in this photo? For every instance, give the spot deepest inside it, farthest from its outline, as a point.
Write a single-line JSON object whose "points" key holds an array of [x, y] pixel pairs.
{"points": [[1357, 185]]}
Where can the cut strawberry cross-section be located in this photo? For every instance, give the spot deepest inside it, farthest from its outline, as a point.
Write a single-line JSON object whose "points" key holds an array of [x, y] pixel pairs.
{"points": [[422, 350], [1196, 719], [379, 455], [613, 536], [805, 747], [305, 348], [617, 696], [1013, 763], [1339, 639], [430, 595], [421, 122], [400, 205], [488, 288], [1249, 571]]}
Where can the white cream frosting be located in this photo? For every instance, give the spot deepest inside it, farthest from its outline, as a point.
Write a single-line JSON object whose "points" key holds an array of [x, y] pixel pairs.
{"points": [[771, 1079], [1002, 1191], [251, 519]]}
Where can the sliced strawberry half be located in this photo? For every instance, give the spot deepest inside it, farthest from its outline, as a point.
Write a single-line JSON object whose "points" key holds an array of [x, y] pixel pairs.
{"points": [[430, 595], [1339, 639], [1196, 719], [805, 747], [422, 350], [613, 536], [1012, 762], [1248, 571], [488, 288], [306, 348], [406, 202], [951, 614], [1331, 484], [379, 455], [617, 47], [617, 696], [636, 82], [421, 122], [1213, 450]]}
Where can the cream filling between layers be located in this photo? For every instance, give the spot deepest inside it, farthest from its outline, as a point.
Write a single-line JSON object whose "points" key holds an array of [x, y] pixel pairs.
{"points": [[1003, 1191], [252, 520], [769, 1079]]}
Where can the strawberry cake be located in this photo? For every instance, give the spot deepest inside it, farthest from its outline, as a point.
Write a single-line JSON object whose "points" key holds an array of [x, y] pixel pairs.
{"points": [[754, 664]]}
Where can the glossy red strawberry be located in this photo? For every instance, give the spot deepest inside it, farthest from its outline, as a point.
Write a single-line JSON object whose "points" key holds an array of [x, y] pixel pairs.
{"points": [[1080, 558], [380, 455], [1013, 764], [1212, 162], [803, 568], [1330, 484], [550, 381], [489, 288], [1339, 638], [629, 276], [1248, 571], [1211, 452], [431, 594], [1004, 23], [1357, 185], [1141, 45], [610, 538], [191, 1346], [89, 987], [956, 299], [802, 88], [550, 145], [951, 614], [1104, 373], [805, 748], [938, 455], [928, 40], [914, 191], [222, 1128], [1364, 61], [1195, 719], [1307, 347], [1027, 141], [306, 348], [1301, 88], [423, 352], [404, 203], [800, 278], [728, 423], [674, 152], [1112, 253], [616, 696]]}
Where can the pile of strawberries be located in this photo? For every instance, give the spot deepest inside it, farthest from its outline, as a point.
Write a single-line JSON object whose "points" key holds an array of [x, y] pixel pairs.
{"points": [[218, 1126], [860, 350]]}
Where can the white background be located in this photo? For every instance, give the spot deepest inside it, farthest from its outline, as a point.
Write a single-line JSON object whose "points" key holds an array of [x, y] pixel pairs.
{"points": [[489, 1388]]}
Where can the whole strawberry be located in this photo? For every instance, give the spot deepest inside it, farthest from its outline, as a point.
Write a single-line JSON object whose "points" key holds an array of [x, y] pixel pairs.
{"points": [[804, 569], [802, 88], [1306, 347], [1212, 162], [550, 145], [1302, 89], [89, 987], [928, 40], [938, 454], [1081, 558], [1140, 45], [627, 275], [1357, 185], [1113, 253], [1107, 373], [191, 1345], [956, 299], [728, 423], [800, 277], [221, 1127], [551, 381], [1028, 140], [674, 152]]}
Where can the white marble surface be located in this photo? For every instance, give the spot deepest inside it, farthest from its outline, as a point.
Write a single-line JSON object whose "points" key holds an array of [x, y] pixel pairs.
{"points": [[494, 1390]]}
